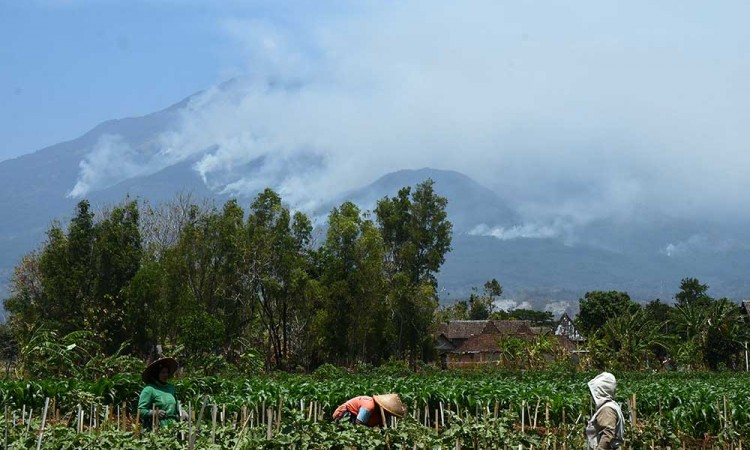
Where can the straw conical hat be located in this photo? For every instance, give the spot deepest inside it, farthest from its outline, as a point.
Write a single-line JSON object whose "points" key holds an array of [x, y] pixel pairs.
{"points": [[152, 371], [391, 403]]}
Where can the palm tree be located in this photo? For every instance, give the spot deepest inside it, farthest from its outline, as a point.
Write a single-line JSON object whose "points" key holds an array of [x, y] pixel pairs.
{"points": [[632, 338]]}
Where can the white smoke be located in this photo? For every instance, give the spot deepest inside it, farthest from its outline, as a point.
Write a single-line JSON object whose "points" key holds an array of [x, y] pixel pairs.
{"points": [[579, 110], [510, 305], [526, 231], [702, 243], [557, 308], [111, 161]]}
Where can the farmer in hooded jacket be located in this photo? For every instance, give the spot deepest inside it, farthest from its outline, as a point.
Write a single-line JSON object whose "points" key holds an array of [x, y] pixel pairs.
{"points": [[370, 411], [606, 428]]}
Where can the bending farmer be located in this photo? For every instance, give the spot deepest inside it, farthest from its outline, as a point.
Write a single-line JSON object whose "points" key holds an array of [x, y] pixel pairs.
{"points": [[606, 428], [370, 411]]}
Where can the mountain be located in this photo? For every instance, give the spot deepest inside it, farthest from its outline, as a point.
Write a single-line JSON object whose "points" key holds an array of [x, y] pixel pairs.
{"points": [[469, 203], [538, 265]]}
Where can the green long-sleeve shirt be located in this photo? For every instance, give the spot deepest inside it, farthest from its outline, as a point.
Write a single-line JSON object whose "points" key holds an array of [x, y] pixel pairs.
{"points": [[161, 396]]}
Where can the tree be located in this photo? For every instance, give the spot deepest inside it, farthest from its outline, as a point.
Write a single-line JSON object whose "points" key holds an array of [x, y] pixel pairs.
{"points": [[417, 235], [692, 291], [628, 341], [353, 321], [276, 260], [597, 307]]}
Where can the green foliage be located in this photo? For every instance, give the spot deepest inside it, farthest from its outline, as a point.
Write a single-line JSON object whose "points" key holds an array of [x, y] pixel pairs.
{"points": [[671, 408], [199, 334], [597, 307], [692, 292]]}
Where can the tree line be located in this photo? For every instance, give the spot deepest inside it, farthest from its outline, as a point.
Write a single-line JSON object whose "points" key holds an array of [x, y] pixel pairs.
{"points": [[696, 332], [259, 289], [225, 285]]}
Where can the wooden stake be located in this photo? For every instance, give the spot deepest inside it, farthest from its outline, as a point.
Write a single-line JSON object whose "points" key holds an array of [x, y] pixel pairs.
{"points": [[7, 415], [214, 410], [44, 422], [270, 423], [278, 422], [190, 426]]}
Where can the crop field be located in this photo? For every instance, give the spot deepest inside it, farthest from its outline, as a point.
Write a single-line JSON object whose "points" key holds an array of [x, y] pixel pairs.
{"points": [[482, 410]]}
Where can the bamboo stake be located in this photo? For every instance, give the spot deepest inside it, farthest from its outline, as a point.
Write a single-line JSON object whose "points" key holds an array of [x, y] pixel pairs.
{"points": [[190, 426], [223, 413], [137, 424], [214, 410], [497, 409], [278, 422], [242, 431], [437, 422], [44, 422], [523, 410], [442, 415], [270, 423], [5, 446], [546, 413], [536, 411], [28, 424]]}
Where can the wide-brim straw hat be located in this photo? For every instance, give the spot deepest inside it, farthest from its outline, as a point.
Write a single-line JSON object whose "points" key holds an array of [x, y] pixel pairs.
{"points": [[391, 403], [152, 371]]}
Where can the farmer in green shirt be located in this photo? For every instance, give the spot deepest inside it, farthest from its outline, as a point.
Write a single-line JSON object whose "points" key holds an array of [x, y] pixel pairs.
{"points": [[158, 395]]}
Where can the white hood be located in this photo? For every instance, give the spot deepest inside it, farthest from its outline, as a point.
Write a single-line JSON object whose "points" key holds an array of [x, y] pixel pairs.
{"points": [[602, 388]]}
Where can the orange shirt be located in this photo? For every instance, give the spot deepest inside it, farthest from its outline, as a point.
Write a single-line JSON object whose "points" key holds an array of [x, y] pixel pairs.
{"points": [[356, 406]]}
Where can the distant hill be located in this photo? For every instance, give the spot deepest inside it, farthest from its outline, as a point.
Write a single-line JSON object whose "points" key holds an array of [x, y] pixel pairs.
{"points": [[647, 256]]}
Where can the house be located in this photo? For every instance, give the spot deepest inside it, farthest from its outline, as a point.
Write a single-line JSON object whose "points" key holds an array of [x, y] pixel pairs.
{"points": [[566, 328], [463, 343], [745, 310]]}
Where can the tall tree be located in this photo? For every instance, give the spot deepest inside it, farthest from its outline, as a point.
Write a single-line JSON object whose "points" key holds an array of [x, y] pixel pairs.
{"points": [[277, 258], [353, 319], [417, 235]]}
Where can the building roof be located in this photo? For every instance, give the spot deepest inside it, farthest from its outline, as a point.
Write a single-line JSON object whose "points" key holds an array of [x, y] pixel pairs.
{"points": [[462, 329], [745, 308], [464, 336]]}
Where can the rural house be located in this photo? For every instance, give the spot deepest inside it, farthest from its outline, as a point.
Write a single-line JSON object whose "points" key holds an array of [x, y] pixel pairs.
{"points": [[463, 343]]}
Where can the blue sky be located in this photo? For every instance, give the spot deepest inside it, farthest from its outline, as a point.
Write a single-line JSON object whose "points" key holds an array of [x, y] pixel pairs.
{"points": [[567, 107], [66, 66]]}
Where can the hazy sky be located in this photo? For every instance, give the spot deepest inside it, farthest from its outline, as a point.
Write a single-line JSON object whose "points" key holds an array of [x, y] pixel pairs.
{"points": [[584, 107]]}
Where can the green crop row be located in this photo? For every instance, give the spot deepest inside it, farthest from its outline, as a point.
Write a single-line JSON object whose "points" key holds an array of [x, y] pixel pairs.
{"points": [[691, 404]]}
